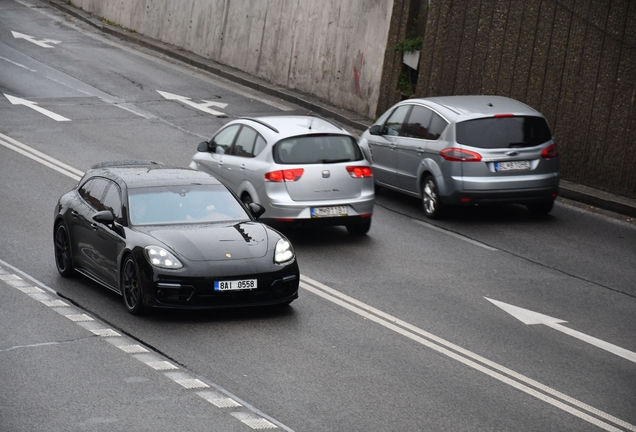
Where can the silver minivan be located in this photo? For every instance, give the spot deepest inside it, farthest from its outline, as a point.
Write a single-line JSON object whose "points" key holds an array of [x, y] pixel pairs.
{"points": [[465, 150]]}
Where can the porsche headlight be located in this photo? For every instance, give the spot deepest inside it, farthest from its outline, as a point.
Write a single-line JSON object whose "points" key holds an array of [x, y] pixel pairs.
{"points": [[284, 251], [159, 257]]}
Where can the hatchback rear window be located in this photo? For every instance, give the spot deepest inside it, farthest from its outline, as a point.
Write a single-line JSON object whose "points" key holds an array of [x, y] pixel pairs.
{"points": [[316, 149], [504, 132]]}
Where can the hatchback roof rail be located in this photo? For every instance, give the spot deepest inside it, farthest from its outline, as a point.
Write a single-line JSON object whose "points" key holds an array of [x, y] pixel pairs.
{"points": [[267, 125]]}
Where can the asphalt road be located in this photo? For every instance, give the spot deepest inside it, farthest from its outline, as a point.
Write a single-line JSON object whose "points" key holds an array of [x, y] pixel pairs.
{"points": [[392, 331]]}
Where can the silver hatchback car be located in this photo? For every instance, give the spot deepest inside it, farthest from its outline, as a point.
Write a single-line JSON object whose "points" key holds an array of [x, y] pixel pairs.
{"points": [[302, 169], [465, 150]]}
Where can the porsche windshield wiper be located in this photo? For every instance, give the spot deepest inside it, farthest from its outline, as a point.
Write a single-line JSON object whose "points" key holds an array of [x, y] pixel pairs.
{"points": [[521, 144], [326, 161]]}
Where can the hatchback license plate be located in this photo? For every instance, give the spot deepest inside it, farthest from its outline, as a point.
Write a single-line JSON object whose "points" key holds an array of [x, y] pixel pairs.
{"points": [[512, 166], [317, 212], [235, 285]]}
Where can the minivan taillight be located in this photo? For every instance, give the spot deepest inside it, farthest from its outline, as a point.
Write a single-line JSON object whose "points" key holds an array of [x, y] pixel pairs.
{"points": [[550, 151], [359, 171], [455, 154], [288, 175]]}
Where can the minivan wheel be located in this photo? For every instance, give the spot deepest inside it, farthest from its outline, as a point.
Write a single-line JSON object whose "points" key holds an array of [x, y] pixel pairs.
{"points": [[131, 286], [433, 207], [540, 208]]}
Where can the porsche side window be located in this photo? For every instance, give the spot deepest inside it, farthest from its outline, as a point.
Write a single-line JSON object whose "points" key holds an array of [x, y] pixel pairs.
{"points": [[222, 142], [92, 191], [112, 201]]}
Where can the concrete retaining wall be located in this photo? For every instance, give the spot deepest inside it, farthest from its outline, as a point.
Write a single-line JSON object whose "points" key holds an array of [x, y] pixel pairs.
{"points": [[330, 49]]}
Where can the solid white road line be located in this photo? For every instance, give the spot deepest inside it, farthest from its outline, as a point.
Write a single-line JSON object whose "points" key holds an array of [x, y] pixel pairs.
{"points": [[467, 357], [40, 157], [450, 233]]}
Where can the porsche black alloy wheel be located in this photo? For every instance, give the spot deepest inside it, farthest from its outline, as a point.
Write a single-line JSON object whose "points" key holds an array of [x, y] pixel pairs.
{"points": [[131, 286], [63, 250]]}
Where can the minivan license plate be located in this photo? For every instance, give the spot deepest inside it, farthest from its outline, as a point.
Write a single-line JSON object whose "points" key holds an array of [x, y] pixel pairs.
{"points": [[317, 212], [234, 285], [512, 166]]}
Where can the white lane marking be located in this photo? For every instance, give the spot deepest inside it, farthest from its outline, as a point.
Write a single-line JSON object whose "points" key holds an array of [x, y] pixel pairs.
{"points": [[440, 345], [205, 107], [40, 157], [34, 106], [531, 318], [253, 421], [450, 233], [44, 43], [17, 64], [219, 400]]}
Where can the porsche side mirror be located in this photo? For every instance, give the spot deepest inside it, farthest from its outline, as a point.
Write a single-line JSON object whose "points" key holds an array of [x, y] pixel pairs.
{"points": [[203, 147], [257, 210], [105, 217], [375, 130]]}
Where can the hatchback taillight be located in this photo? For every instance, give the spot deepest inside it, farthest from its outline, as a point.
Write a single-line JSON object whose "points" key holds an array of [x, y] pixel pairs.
{"points": [[455, 154], [289, 175], [550, 151], [359, 171]]}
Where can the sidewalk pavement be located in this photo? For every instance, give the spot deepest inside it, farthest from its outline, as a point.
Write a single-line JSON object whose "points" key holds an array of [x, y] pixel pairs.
{"points": [[576, 192], [64, 369]]}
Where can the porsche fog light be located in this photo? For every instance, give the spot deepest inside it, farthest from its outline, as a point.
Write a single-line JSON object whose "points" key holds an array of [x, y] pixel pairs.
{"points": [[160, 257], [284, 251]]}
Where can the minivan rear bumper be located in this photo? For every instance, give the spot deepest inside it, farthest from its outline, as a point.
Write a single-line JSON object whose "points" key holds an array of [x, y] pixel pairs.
{"points": [[521, 196]]}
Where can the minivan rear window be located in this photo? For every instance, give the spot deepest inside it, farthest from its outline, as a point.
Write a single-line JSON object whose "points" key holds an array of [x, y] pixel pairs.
{"points": [[316, 149], [503, 132]]}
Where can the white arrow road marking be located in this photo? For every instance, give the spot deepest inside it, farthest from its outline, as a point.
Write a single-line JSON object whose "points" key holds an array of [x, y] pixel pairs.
{"points": [[33, 105], [205, 107], [43, 43], [529, 317]]}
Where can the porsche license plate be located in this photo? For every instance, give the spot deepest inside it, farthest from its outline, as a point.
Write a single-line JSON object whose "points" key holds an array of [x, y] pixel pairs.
{"points": [[335, 211], [512, 166], [235, 285]]}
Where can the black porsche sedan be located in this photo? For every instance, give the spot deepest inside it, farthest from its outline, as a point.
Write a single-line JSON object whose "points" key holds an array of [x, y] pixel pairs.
{"points": [[167, 237]]}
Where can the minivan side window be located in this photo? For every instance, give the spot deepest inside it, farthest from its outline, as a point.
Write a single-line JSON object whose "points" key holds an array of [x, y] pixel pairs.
{"points": [[438, 124], [417, 124], [393, 125]]}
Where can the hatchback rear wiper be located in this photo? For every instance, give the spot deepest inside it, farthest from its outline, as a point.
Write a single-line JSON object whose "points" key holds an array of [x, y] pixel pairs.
{"points": [[326, 161]]}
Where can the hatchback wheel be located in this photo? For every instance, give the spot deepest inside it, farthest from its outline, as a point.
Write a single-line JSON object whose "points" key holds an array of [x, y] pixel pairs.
{"points": [[247, 199], [360, 228], [131, 286], [431, 202], [63, 250], [541, 208]]}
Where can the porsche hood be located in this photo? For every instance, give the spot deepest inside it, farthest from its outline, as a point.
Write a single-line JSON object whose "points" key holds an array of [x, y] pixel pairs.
{"points": [[213, 242]]}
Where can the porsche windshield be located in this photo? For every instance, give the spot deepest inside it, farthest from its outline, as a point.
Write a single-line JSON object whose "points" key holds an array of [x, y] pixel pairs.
{"points": [[187, 204]]}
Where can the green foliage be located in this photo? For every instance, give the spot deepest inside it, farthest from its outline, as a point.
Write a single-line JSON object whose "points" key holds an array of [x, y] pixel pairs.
{"points": [[404, 84], [410, 44]]}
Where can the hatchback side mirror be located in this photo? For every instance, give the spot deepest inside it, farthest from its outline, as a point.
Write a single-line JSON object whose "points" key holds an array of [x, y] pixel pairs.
{"points": [[376, 130], [257, 210], [203, 147]]}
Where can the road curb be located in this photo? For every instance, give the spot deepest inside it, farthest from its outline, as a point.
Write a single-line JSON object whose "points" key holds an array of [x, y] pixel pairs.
{"points": [[573, 191]]}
